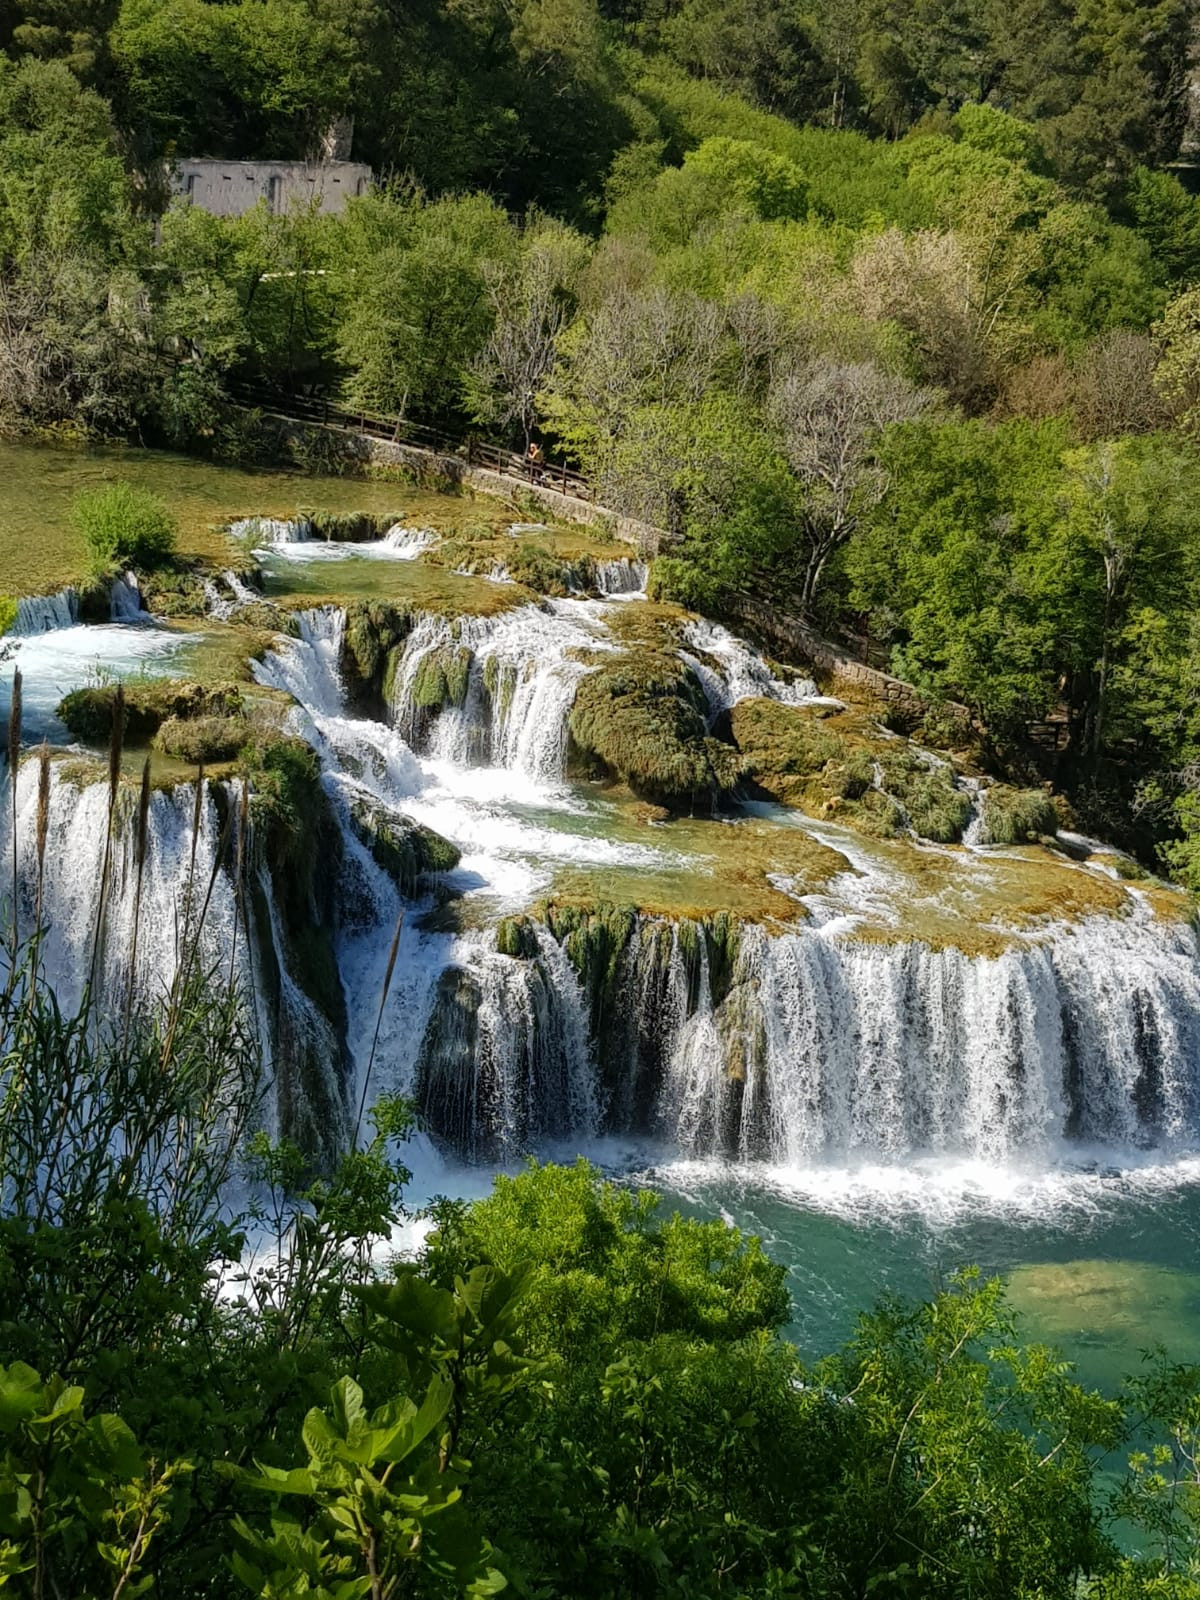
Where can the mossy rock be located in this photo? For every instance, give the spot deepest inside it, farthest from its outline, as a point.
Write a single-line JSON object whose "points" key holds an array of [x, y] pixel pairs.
{"points": [[374, 629], [517, 937], [202, 739], [405, 849], [443, 677], [350, 527], [87, 714], [785, 747], [1018, 816], [178, 592], [539, 569], [640, 717]]}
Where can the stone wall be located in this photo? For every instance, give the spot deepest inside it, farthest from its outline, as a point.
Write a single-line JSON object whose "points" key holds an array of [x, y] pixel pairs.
{"points": [[367, 450], [231, 188], [794, 637]]}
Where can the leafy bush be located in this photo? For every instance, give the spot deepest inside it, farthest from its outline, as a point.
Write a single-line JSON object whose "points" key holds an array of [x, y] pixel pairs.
{"points": [[123, 526]]}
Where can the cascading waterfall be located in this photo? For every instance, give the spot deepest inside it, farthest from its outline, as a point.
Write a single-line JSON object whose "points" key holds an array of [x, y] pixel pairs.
{"points": [[623, 578], [125, 600], [729, 670], [511, 681], [834, 1048], [803, 1044], [263, 532], [406, 544], [506, 1061], [42, 613], [184, 902]]}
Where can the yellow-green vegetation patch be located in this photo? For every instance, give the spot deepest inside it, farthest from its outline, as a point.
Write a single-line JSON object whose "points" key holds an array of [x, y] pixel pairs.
{"points": [[734, 867], [41, 550], [981, 905], [296, 585], [553, 560]]}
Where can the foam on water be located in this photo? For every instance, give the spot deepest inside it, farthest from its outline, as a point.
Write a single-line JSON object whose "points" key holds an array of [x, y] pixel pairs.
{"points": [[54, 663]]}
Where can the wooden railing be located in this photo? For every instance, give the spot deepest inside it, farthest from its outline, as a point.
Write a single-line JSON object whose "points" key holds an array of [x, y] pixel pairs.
{"points": [[466, 446]]}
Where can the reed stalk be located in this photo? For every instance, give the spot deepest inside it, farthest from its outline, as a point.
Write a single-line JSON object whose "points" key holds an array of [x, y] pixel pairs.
{"points": [[143, 834], [14, 761], [387, 984]]}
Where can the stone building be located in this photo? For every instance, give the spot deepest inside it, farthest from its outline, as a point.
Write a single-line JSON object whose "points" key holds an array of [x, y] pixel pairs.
{"points": [[230, 188]]}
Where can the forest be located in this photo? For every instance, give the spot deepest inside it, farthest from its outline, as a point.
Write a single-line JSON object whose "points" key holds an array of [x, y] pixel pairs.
{"points": [[883, 311]]}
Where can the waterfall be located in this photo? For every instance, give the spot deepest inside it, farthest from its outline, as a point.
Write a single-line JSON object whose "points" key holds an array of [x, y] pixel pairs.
{"points": [[125, 600], [505, 1060], [514, 676], [406, 544], [729, 670], [825, 1048], [302, 1056], [624, 578], [262, 532], [42, 613], [311, 675]]}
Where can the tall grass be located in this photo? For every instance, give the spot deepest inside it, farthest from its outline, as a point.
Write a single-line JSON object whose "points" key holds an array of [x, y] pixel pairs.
{"points": [[124, 1118]]}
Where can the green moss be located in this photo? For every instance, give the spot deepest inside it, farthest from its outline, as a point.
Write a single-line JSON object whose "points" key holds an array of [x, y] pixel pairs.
{"points": [[175, 592], [373, 630], [784, 747], [351, 527], [405, 849], [595, 939], [443, 677], [1018, 816], [202, 739], [937, 809], [8, 613], [515, 936], [640, 717], [88, 713]]}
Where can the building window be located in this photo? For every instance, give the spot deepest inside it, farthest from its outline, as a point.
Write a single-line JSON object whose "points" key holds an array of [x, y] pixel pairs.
{"points": [[190, 190], [274, 187]]}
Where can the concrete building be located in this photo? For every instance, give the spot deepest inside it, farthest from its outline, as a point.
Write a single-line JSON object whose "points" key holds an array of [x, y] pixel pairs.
{"points": [[230, 188]]}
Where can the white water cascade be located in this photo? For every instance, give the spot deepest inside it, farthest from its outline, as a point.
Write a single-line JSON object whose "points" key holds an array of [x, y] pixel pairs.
{"points": [[42, 613], [796, 1045], [623, 578]]}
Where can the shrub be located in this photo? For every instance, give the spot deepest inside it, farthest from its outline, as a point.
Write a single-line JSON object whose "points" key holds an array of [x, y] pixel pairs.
{"points": [[1018, 816], [8, 613], [123, 526]]}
